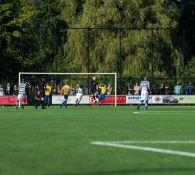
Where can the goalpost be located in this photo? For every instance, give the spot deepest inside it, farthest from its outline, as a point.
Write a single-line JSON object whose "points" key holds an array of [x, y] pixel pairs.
{"points": [[56, 73]]}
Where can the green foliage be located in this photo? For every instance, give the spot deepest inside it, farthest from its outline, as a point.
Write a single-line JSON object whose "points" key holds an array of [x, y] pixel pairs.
{"points": [[34, 37], [141, 52], [190, 71]]}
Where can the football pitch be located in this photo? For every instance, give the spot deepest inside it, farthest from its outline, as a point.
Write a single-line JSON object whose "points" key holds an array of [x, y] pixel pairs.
{"points": [[102, 140]]}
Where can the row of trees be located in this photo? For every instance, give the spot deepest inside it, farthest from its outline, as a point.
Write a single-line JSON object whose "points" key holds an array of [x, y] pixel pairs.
{"points": [[132, 37]]}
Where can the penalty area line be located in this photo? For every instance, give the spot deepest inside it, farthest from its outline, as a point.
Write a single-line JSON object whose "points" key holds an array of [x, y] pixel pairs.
{"points": [[154, 142], [148, 149], [157, 113]]}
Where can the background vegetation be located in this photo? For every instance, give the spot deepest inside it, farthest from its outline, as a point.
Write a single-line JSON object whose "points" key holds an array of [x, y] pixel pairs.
{"points": [[131, 37]]}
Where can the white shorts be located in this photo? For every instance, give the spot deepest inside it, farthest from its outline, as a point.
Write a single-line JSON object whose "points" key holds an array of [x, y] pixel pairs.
{"points": [[79, 96], [21, 97], [144, 96]]}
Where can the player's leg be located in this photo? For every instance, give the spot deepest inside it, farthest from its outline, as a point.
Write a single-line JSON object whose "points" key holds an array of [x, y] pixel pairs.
{"points": [[97, 99], [65, 101], [50, 100], [101, 98], [76, 103], [143, 99], [140, 102], [18, 101], [46, 101], [94, 95], [79, 97], [77, 100], [36, 103], [23, 101], [42, 103], [146, 105], [146, 102]]}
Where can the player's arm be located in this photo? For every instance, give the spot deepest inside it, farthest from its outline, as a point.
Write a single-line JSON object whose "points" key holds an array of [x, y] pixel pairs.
{"points": [[62, 90], [100, 88], [72, 90], [28, 84]]}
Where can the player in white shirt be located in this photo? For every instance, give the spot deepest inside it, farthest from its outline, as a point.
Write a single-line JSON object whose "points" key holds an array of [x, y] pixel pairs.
{"points": [[1, 91], [21, 94], [145, 89], [79, 94]]}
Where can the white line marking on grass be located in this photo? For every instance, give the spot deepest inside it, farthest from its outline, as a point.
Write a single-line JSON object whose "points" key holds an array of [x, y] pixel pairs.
{"points": [[156, 141], [160, 113], [149, 149]]}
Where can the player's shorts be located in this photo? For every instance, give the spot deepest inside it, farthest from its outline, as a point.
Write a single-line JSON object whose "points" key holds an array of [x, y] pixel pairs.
{"points": [[21, 97], [79, 96], [47, 98], [144, 96], [101, 96], [66, 97]]}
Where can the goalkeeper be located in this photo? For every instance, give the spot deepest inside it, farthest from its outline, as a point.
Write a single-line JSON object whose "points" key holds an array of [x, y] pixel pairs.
{"points": [[93, 88]]}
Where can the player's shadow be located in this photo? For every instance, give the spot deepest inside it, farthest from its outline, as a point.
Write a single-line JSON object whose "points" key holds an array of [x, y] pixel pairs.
{"points": [[135, 171]]}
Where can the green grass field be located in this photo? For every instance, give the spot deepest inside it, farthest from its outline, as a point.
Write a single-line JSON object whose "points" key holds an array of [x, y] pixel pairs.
{"points": [[58, 141]]}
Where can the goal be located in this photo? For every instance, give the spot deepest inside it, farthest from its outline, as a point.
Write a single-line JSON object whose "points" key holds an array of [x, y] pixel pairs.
{"points": [[83, 78]]}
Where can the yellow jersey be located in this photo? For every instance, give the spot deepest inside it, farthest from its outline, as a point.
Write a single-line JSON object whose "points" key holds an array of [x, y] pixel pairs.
{"points": [[102, 90], [48, 90], [66, 90]]}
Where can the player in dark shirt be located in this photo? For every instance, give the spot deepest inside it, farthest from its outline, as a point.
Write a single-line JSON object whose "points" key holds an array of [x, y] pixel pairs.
{"points": [[39, 100], [93, 87]]}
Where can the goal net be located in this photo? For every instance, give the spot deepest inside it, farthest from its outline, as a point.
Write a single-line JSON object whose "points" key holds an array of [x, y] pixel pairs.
{"points": [[58, 80]]}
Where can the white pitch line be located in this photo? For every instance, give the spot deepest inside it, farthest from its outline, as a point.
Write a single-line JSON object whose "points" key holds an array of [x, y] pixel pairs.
{"points": [[149, 149], [159, 113], [157, 141]]}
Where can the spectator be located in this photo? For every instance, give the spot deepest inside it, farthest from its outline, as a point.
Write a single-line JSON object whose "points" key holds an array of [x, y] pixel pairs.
{"points": [[178, 89], [54, 90], [136, 89], [1, 91], [8, 89], [15, 90], [59, 89], [162, 89], [129, 88], [189, 89], [167, 90], [109, 89]]}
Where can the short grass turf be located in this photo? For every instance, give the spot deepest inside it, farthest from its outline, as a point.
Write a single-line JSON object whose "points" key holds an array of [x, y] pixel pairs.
{"points": [[57, 141]]}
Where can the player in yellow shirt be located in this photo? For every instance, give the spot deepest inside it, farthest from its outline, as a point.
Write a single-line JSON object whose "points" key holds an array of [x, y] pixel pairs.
{"points": [[103, 91], [48, 91], [66, 92]]}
